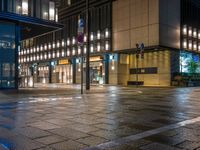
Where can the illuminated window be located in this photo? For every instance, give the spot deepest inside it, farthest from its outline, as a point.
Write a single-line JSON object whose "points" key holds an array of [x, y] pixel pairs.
{"points": [[51, 11], [92, 36], [98, 35], [199, 47], [85, 49], [73, 51], [190, 44], [68, 42], [91, 48], [18, 9], [79, 50], [194, 45], [107, 46], [195, 33], [185, 30], [25, 7], [63, 53], [73, 41], [106, 33], [63, 43], [185, 43], [190, 31], [56, 17], [98, 47], [68, 2], [199, 35], [58, 44], [45, 15], [85, 38]]}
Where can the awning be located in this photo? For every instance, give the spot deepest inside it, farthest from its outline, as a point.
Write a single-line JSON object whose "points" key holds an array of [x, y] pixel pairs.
{"points": [[31, 27]]}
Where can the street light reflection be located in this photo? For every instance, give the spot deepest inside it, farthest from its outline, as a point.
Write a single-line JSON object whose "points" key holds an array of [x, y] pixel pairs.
{"points": [[36, 100]]}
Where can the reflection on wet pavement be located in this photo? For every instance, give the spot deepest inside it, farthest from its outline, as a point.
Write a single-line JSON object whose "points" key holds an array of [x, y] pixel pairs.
{"points": [[64, 119]]}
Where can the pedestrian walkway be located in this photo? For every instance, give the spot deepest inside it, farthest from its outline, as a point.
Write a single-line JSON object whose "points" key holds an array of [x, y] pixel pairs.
{"points": [[108, 117]]}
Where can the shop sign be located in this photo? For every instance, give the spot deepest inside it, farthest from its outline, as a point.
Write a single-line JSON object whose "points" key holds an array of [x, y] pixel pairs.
{"points": [[63, 62], [95, 58]]}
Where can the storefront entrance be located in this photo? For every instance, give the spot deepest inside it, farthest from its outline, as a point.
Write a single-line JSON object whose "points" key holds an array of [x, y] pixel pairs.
{"points": [[96, 73], [64, 74]]}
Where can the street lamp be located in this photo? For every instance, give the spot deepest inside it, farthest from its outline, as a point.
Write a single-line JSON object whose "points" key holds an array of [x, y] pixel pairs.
{"points": [[88, 46]]}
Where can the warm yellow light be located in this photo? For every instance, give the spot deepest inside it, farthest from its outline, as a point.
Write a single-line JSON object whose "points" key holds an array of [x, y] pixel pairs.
{"points": [[113, 68]]}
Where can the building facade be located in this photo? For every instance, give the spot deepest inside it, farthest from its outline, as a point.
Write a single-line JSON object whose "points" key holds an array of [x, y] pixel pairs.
{"points": [[168, 29], [21, 20]]}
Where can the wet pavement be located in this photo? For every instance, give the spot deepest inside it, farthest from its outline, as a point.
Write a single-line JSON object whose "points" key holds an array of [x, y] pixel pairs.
{"points": [[109, 117]]}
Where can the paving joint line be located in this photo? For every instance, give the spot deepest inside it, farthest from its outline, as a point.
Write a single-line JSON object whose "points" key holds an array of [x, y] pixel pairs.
{"points": [[132, 138]]}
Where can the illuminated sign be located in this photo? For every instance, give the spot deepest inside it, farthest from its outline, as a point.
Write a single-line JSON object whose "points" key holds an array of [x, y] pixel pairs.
{"points": [[63, 62], [6, 44], [96, 58]]}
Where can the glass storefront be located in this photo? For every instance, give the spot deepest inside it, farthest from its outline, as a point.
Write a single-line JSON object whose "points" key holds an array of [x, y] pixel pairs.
{"points": [[97, 70], [96, 73], [64, 73], [26, 76], [43, 74], [8, 55]]}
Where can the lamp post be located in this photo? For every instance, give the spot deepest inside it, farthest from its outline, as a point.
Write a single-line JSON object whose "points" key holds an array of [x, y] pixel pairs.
{"points": [[80, 41], [137, 57], [88, 47]]}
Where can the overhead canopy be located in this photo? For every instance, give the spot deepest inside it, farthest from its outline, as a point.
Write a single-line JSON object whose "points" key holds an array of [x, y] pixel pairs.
{"points": [[31, 27]]}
